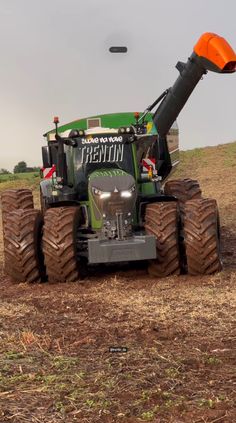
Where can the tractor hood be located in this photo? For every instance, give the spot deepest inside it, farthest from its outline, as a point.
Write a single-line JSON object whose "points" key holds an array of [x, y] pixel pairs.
{"points": [[111, 191], [111, 180]]}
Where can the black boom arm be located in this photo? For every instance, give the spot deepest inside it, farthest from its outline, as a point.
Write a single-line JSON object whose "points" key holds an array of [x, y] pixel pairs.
{"points": [[210, 53]]}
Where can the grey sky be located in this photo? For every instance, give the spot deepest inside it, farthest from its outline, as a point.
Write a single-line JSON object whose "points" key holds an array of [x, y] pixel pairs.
{"points": [[55, 61]]}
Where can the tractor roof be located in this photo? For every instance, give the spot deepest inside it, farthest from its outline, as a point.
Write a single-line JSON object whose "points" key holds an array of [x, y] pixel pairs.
{"points": [[104, 123]]}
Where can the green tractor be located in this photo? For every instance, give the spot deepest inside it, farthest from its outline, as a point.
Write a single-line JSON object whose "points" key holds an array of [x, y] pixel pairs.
{"points": [[105, 197]]}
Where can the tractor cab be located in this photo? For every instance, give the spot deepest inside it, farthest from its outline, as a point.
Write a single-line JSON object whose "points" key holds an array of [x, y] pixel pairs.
{"points": [[118, 143]]}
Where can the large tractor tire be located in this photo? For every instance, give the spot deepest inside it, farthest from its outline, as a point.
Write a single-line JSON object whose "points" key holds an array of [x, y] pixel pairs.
{"points": [[161, 220], [22, 246], [183, 190], [59, 243], [16, 199], [202, 236]]}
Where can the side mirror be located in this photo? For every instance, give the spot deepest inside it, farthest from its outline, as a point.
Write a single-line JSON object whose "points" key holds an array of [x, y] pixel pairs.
{"points": [[46, 155]]}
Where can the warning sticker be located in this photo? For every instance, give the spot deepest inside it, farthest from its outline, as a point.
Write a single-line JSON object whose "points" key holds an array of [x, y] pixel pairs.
{"points": [[149, 162]]}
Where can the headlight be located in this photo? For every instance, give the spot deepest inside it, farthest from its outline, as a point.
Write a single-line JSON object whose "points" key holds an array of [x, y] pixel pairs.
{"points": [[97, 191], [126, 130], [128, 193], [101, 194], [105, 195]]}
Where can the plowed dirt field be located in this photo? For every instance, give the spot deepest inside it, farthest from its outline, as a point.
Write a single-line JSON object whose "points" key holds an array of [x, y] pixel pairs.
{"points": [[180, 366]]}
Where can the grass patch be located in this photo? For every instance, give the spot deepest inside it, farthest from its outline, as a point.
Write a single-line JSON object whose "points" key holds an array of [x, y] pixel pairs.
{"points": [[196, 153], [13, 355], [189, 161], [213, 361], [27, 176], [65, 363], [230, 155], [27, 180]]}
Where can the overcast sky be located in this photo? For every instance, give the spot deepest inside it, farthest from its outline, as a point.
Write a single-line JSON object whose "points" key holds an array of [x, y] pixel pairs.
{"points": [[55, 61]]}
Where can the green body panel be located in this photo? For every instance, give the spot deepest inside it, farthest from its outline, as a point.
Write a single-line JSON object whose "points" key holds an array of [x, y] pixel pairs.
{"points": [[147, 188], [107, 172], [136, 168], [111, 120]]}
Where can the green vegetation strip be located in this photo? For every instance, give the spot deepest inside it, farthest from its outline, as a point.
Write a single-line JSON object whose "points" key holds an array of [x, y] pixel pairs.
{"points": [[81, 384]]}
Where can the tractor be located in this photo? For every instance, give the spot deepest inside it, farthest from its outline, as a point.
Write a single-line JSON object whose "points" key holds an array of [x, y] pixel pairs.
{"points": [[106, 196]]}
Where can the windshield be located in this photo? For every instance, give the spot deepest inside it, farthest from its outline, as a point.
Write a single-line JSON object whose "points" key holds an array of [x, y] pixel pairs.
{"points": [[145, 146]]}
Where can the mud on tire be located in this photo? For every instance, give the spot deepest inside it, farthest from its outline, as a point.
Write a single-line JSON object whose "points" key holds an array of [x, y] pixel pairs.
{"points": [[59, 243], [22, 238], [161, 220], [183, 189], [15, 199], [201, 236]]}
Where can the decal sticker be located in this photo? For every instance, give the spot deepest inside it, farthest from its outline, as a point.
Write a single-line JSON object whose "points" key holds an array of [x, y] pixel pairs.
{"points": [[48, 172], [101, 154], [147, 163], [97, 140], [101, 149]]}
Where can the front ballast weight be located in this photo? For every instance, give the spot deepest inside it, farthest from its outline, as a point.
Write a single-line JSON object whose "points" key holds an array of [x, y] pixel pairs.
{"points": [[136, 248]]}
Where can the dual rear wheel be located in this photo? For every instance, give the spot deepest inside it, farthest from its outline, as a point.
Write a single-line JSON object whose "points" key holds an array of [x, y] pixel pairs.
{"points": [[22, 229], [187, 231], [35, 244]]}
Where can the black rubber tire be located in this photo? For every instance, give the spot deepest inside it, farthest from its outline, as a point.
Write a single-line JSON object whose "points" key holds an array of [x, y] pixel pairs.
{"points": [[201, 236], [22, 246], [161, 220], [59, 243], [183, 189], [16, 199]]}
